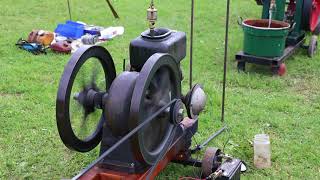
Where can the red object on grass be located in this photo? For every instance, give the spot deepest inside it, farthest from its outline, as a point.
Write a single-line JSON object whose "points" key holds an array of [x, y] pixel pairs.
{"points": [[282, 69], [61, 47]]}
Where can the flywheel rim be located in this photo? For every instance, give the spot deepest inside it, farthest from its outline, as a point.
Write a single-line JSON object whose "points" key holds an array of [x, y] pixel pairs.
{"points": [[154, 66], [64, 125]]}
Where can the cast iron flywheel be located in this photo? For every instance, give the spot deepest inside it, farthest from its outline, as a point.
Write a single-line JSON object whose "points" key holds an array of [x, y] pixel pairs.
{"points": [[157, 84], [79, 107]]}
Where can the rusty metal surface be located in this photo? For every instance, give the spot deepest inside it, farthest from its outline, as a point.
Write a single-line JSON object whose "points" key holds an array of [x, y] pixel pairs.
{"points": [[210, 161]]}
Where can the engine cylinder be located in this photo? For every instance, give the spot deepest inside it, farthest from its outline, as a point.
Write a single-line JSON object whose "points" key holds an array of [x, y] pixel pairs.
{"points": [[161, 41]]}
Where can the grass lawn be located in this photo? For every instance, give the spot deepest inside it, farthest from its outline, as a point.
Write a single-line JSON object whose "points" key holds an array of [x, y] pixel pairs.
{"points": [[287, 108]]}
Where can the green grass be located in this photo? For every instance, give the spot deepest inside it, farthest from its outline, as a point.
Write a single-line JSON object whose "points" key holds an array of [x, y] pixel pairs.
{"points": [[287, 108]]}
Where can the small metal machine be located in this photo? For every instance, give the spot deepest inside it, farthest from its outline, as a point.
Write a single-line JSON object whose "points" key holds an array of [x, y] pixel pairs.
{"points": [[281, 31], [139, 115]]}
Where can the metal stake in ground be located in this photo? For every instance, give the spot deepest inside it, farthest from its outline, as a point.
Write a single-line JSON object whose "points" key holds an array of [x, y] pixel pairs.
{"points": [[69, 9], [114, 12], [191, 44], [225, 62]]}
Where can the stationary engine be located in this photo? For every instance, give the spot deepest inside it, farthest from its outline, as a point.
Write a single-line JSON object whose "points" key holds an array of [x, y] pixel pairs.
{"points": [[113, 106], [138, 116]]}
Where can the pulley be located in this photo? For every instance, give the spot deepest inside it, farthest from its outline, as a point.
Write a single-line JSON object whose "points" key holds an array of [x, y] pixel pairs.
{"points": [[176, 112]]}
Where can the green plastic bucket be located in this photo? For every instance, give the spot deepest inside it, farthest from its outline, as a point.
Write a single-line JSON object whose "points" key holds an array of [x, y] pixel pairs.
{"points": [[260, 40]]}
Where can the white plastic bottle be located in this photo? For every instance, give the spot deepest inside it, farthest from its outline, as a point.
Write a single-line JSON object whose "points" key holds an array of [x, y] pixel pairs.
{"points": [[262, 151]]}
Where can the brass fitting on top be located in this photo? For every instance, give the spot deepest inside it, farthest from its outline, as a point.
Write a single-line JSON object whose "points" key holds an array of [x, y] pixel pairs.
{"points": [[152, 15]]}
